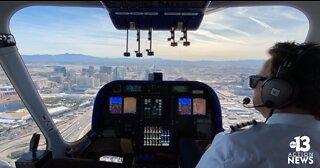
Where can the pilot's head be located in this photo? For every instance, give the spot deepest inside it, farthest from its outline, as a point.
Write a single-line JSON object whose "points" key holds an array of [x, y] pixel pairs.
{"points": [[264, 73], [299, 66]]}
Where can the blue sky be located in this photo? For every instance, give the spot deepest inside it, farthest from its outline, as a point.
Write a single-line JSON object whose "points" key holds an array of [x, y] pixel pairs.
{"points": [[230, 34]]}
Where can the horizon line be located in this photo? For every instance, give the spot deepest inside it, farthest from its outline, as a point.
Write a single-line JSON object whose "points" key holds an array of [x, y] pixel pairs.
{"points": [[133, 57]]}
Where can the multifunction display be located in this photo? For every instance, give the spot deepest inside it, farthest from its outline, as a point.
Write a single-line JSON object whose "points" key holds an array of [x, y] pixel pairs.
{"points": [[152, 108], [199, 106], [184, 106], [189, 106], [130, 105], [115, 105], [119, 105]]}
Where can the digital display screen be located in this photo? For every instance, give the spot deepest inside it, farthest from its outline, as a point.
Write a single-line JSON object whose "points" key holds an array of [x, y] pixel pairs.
{"points": [[184, 106], [129, 105], [115, 105], [152, 108], [156, 136], [133, 88], [199, 106], [180, 89]]}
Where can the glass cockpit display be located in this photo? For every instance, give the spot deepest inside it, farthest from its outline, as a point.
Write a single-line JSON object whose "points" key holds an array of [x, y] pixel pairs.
{"points": [[156, 136], [199, 106], [184, 106], [115, 105], [152, 108], [192, 106], [129, 105]]}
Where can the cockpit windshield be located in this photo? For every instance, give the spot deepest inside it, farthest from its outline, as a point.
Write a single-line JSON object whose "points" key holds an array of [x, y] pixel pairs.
{"points": [[72, 52]]}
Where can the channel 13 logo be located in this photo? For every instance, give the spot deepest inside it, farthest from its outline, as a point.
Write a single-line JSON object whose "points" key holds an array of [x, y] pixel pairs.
{"points": [[301, 144]]}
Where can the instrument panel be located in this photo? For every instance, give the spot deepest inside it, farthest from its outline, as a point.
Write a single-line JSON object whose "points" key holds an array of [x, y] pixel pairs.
{"points": [[156, 114]]}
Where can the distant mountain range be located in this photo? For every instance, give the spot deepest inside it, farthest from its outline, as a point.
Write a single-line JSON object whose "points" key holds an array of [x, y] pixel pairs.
{"points": [[85, 59]]}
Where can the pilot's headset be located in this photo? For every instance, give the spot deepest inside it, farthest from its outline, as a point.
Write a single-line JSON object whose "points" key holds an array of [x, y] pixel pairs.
{"points": [[278, 91]]}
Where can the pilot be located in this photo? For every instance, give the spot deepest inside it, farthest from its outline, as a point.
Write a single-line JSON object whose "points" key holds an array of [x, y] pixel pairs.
{"points": [[286, 91]]}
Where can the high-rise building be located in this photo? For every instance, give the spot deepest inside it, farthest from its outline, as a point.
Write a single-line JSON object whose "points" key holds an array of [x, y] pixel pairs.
{"points": [[119, 73], [57, 78], [87, 82], [146, 74], [105, 69], [60, 69], [91, 70], [87, 71]]}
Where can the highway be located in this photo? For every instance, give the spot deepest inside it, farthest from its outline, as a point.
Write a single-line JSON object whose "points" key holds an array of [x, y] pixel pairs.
{"points": [[73, 131], [69, 129]]}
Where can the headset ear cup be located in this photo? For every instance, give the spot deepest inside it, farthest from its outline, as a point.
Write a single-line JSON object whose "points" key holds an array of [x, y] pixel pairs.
{"points": [[276, 93]]}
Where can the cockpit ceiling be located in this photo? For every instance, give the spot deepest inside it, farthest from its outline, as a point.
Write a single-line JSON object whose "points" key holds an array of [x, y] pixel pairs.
{"points": [[155, 4], [212, 7], [156, 15]]}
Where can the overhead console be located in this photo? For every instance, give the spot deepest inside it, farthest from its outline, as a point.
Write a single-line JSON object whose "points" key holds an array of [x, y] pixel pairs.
{"points": [[156, 16], [153, 116], [159, 15]]}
